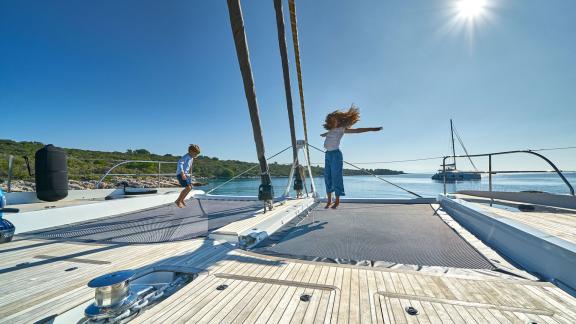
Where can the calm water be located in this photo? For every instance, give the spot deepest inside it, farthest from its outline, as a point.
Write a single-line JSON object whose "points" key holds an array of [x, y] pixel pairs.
{"points": [[370, 187]]}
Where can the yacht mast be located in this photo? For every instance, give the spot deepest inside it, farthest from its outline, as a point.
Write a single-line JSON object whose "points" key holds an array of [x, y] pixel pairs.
{"points": [[453, 149], [237, 23], [286, 73]]}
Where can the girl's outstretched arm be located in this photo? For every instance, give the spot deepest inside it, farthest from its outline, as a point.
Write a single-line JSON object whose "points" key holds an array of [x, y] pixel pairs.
{"points": [[362, 130]]}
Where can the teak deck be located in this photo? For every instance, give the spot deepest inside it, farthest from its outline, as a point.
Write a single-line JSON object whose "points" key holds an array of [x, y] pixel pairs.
{"points": [[42, 278], [560, 223]]}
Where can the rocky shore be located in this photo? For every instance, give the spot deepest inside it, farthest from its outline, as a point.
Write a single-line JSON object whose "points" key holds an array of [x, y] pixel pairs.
{"points": [[117, 182]]}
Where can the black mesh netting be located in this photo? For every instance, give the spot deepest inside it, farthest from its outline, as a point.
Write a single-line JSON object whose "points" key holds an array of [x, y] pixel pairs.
{"points": [[161, 224], [354, 233]]}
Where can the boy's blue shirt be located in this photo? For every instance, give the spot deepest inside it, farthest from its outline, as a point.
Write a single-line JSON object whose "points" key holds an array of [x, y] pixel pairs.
{"points": [[185, 164]]}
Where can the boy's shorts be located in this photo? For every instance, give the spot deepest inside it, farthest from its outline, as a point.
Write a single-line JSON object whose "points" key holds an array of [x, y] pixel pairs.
{"points": [[184, 183]]}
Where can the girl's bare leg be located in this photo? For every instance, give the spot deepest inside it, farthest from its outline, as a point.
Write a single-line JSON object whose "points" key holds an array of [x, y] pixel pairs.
{"points": [[328, 200], [336, 202]]}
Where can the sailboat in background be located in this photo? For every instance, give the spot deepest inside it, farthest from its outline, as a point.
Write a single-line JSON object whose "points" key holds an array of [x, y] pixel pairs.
{"points": [[451, 173]]}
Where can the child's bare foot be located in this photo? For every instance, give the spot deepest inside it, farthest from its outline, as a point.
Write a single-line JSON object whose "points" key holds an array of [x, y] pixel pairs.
{"points": [[183, 202], [336, 202], [327, 205], [179, 204]]}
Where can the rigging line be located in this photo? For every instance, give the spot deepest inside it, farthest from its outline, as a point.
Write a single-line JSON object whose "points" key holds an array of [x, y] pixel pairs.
{"points": [[555, 148], [248, 170], [374, 175], [464, 147], [397, 161], [294, 28]]}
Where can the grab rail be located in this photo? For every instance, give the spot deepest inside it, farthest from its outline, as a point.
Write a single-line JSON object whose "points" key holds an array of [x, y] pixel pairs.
{"points": [[135, 174], [490, 172]]}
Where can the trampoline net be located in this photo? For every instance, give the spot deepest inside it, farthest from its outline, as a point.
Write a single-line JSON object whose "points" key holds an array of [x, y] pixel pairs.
{"points": [[369, 233], [161, 224]]}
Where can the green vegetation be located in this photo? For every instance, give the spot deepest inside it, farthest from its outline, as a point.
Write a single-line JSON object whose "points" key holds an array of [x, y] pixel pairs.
{"points": [[90, 165]]}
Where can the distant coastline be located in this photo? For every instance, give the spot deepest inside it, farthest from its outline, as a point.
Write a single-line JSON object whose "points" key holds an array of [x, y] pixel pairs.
{"points": [[85, 167]]}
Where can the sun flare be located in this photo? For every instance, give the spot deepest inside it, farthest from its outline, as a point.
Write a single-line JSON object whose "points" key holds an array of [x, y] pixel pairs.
{"points": [[471, 9]]}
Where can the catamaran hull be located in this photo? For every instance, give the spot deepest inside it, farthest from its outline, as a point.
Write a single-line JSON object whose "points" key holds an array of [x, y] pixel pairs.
{"points": [[457, 176]]}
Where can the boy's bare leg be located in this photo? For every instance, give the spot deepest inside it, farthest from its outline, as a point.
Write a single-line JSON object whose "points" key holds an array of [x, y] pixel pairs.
{"points": [[182, 196], [328, 200], [336, 202]]}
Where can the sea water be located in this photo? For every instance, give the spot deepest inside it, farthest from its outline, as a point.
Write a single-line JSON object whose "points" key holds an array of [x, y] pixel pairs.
{"points": [[422, 184]]}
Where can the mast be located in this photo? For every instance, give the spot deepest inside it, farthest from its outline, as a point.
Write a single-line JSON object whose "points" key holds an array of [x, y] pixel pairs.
{"points": [[237, 23], [286, 72], [453, 149]]}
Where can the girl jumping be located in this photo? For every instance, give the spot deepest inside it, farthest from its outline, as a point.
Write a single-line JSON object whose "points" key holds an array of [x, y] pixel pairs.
{"points": [[338, 123]]}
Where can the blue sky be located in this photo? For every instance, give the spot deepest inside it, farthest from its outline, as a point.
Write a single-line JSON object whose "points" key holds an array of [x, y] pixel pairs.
{"points": [[117, 75]]}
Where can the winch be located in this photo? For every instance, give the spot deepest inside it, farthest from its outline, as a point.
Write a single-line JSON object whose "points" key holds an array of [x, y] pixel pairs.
{"points": [[113, 294], [6, 227], [120, 296]]}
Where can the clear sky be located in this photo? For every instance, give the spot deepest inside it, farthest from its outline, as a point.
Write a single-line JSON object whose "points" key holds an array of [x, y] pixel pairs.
{"points": [[116, 75]]}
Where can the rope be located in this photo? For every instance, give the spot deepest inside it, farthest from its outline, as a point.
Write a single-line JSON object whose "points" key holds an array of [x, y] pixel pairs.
{"points": [[397, 161], [440, 157], [248, 170], [465, 150], [293, 25], [555, 148], [374, 175]]}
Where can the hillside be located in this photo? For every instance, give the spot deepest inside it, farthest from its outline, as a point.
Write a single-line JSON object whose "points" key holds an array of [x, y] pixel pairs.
{"points": [[90, 165]]}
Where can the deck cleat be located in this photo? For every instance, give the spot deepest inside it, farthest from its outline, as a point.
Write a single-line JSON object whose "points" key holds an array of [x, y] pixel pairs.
{"points": [[113, 295]]}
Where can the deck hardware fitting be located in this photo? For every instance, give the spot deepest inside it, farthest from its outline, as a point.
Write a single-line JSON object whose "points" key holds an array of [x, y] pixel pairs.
{"points": [[74, 260], [305, 297], [411, 310], [221, 287], [276, 282], [71, 269], [526, 208], [112, 296]]}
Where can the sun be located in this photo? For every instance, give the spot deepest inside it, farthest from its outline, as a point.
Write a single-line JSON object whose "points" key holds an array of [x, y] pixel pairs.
{"points": [[471, 9]]}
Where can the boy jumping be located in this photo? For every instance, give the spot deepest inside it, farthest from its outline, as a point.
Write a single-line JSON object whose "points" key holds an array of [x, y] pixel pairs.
{"points": [[183, 172]]}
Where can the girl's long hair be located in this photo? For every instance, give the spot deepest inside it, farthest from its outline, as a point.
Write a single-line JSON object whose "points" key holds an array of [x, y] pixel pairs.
{"points": [[345, 118]]}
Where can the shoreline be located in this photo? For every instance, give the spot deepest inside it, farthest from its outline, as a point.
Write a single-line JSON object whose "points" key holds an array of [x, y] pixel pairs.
{"points": [[20, 185]]}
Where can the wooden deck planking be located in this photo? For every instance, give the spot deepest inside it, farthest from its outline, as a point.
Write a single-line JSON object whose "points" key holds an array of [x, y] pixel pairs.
{"points": [[53, 285], [561, 224], [357, 297], [260, 299], [195, 309]]}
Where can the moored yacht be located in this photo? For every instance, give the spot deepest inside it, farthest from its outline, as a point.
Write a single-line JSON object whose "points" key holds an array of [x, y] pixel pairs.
{"points": [[449, 172]]}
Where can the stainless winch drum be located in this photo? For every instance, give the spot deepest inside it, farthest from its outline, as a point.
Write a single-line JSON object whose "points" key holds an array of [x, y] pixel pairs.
{"points": [[113, 294]]}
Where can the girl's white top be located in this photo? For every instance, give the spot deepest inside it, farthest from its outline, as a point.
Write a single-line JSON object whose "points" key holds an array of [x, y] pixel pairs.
{"points": [[333, 137]]}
